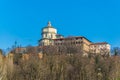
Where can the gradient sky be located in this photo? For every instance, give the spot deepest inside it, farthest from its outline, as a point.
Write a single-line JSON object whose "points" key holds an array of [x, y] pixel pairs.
{"points": [[22, 20]]}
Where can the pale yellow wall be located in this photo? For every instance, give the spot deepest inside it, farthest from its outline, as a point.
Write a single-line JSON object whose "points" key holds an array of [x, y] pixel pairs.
{"points": [[86, 45], [25, 56], [40, 55], [48, 33], [86, 41], [50, 30], [46, 42], [100, 48]]}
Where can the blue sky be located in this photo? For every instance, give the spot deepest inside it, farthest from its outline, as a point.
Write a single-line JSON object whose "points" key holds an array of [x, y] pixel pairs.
{"points": [[22, 20]]}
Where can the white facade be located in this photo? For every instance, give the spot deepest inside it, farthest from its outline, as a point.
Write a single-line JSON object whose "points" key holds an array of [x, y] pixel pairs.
{"points": [[48, 33], [50, 37], [100, 48]]}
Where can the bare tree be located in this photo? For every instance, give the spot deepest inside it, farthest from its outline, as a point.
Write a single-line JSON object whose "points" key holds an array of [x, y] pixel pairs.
{"points": [[30, 50], [116, 51]]}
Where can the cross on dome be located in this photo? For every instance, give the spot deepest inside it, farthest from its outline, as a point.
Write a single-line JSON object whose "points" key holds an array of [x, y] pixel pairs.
{"points": [[49, 24]]}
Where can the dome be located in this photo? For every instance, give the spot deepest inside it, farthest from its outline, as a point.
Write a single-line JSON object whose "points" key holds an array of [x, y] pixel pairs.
{"points": [[49, 29]]}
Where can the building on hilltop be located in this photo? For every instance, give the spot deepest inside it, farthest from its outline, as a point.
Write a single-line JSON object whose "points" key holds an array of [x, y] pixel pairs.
{"points": [[100, 47], [48, 34], [50, 37], [52, 42]]}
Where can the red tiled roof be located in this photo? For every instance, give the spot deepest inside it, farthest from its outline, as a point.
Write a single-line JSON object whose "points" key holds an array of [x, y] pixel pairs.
{"points": [[72, 37], [99, 43]]}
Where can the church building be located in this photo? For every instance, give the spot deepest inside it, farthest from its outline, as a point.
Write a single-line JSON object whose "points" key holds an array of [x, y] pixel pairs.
{"points": [[51, 37], [49, 33]]}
